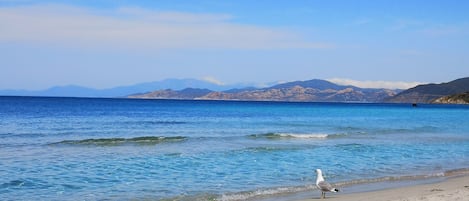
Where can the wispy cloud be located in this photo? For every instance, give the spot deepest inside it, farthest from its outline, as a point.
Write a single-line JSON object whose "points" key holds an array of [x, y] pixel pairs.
{"points": [[375, 84], [213, 80], [361, 21], [442, 31], [139, 28], [430, 29], [171, 16], [404, 24]]}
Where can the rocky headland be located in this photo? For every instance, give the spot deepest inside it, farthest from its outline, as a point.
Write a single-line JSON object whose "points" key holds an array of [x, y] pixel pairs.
{"points": [[433, 93], [462, 98]]}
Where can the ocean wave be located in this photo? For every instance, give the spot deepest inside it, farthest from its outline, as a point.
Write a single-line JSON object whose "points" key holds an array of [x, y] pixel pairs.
{"points": [[146, 140], [275, 148], [26, 183], [155, 122], [295, 136], [13, 183]]}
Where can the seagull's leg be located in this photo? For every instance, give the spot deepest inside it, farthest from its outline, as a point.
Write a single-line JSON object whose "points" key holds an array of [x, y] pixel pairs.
{"points": [[323, 195]]}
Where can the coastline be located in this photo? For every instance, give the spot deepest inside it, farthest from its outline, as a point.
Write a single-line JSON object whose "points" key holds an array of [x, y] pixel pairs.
{"points": [[447, 189], [447, 185]]}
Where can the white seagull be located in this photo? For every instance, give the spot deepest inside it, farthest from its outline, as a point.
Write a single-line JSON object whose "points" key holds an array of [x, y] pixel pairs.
{"points": [[323, 185]]}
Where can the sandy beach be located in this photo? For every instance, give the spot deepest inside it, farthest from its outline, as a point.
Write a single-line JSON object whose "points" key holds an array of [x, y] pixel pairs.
{"points": [[452, 188]]}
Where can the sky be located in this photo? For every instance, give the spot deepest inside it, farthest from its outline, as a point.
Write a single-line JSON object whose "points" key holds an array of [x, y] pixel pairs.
{"points": [[108, 43]]}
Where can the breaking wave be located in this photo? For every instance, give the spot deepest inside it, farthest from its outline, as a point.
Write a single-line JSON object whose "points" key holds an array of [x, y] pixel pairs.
{"points": [[146, 140], [295, 136]]}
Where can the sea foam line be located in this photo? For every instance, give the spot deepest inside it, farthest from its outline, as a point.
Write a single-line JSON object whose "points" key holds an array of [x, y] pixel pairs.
{"points": [[280, 191], [305, 136], [295, 135]]}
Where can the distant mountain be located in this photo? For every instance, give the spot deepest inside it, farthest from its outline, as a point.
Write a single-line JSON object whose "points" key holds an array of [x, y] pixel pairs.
{"points": [[315, 83], [429, 92], [63, 91], [174, 84], [122, 91], [240, 90], [311, 90], [188, 93]]}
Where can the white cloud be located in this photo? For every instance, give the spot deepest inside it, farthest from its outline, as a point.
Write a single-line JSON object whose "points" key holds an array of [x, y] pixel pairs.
{"points": [[375, 84], [213, 80], [139, 28]]}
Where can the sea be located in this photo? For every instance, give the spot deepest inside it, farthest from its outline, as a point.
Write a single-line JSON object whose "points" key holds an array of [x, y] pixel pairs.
{"points": [[132, 149]]}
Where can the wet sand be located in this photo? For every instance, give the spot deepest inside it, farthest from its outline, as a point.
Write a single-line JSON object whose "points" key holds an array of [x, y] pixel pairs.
{"points": [[449, 189]]}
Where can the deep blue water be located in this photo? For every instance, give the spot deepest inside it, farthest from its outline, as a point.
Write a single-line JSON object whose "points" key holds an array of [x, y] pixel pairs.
{"points": [[95, 149]]}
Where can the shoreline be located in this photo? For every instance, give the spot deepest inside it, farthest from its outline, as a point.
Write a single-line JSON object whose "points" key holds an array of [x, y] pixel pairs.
{"points": [[447, 185], [445, 189], [410, 104]]}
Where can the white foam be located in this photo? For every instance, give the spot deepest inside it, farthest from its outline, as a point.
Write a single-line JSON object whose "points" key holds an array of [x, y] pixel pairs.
{"points": [[304, 136]]}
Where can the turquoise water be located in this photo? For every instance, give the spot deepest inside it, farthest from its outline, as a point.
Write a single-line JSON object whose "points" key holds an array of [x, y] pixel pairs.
{"points": [[99, 149]]}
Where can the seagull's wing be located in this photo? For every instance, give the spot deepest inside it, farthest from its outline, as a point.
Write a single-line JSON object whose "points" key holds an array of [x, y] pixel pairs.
{"points": [[324, 186]]}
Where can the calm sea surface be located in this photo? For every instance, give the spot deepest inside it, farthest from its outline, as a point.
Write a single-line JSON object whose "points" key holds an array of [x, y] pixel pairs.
{"points": [[121, 149]]}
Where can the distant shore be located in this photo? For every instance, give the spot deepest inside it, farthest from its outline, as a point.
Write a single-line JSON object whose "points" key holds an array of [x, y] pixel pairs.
{"points": [[449, 189]]}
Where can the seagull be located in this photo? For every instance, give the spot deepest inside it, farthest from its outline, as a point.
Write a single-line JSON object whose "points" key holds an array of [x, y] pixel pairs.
{"points": [[323, 185]]}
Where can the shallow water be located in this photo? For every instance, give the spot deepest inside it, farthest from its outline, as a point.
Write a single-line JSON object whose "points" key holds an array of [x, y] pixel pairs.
{"points": [[79, 148]]}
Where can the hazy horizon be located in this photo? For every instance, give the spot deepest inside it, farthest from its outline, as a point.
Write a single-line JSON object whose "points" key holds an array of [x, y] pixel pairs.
{"points": [[104, 44], [344, 82]]}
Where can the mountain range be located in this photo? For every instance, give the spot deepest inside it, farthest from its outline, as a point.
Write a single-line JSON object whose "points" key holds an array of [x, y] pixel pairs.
{"points": [[305, 91], [315, 90]]}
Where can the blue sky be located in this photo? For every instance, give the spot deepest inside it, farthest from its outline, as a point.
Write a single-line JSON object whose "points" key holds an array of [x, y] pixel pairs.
{"points": [[107, 43]]}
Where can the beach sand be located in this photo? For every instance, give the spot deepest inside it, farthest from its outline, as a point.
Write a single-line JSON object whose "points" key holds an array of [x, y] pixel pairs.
{"points": [[451, 188]]}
